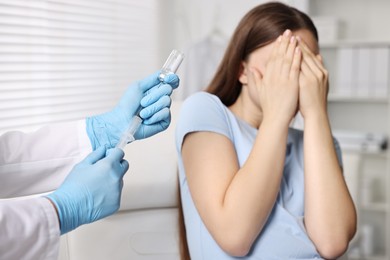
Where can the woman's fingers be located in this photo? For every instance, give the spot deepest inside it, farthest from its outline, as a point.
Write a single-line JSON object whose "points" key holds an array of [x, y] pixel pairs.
{"points": [[254, 77], [314, 65], [316, 59], [275, 49], [283, 53], [305, 69], [296, 64], [284, 43], [288, 59]]}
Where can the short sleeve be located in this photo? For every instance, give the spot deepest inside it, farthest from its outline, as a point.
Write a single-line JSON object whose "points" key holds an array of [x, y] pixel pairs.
{"points": [[202, 112]]}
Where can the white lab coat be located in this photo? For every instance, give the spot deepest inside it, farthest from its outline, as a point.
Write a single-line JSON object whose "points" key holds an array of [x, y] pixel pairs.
{"points": [[32, 164]]}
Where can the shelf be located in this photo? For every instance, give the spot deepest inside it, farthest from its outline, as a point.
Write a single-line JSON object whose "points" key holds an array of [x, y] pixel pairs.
{"points": [[378, 154], [381, 154], [355, 43], [350, 99], [380, 207], [379, 257]]}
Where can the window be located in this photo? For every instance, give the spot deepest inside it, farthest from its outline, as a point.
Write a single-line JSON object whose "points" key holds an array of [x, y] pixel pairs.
{"points": [[67, 59]]}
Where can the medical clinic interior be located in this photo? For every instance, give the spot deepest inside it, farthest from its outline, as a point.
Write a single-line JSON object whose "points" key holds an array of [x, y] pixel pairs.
{"points": [[68, 60]]}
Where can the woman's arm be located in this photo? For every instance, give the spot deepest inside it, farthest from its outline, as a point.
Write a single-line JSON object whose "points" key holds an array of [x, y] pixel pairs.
{"points": [[233, 202], [330, 215]]}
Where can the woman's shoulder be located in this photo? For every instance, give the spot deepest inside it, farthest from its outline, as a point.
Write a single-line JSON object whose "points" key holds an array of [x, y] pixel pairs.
{"points": [[203, 111], [202, 98], [203, 103]]}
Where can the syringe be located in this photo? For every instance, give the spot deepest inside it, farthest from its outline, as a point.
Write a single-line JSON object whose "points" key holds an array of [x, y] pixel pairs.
{"points": [[170, 66]]}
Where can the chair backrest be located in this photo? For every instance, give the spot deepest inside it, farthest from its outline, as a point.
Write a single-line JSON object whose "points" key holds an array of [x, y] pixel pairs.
{"points": [[145, 227]]}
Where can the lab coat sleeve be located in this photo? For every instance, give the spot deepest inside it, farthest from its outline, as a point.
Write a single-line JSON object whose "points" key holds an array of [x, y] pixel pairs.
{"points": [[38, 162], [29, 229]]}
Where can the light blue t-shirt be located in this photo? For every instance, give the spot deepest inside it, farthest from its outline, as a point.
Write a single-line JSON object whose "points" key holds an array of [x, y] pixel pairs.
{"points": [[284, 235]]}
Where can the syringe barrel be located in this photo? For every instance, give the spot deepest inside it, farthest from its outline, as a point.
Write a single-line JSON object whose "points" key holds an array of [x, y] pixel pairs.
{"points": [[128, 135]]}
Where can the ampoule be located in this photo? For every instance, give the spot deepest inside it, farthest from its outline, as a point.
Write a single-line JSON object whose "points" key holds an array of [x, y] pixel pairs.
{"points": [[170, 66]]}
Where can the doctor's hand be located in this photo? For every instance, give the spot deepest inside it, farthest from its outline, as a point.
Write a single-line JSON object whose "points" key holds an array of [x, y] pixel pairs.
{"points": [[92, 190], [154, 98]]}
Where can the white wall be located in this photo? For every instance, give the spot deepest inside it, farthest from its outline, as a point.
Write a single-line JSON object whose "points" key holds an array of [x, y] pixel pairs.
{"points": [[192, 20], [361, 19], [195, 19]]}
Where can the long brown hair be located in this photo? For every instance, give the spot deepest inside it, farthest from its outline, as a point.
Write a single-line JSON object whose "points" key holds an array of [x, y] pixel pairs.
{"points": [[259, 27], [183, 246]]}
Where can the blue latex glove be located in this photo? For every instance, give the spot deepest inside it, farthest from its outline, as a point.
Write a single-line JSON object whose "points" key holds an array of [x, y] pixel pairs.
{"points": [[152, 95], [92, 190]]}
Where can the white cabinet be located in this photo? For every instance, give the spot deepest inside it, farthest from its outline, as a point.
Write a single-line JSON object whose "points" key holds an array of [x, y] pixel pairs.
{"points": [[357, 109], [359, 102]]}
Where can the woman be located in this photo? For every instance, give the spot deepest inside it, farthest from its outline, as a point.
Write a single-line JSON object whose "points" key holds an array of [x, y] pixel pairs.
{"points": [[250, 185]]}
